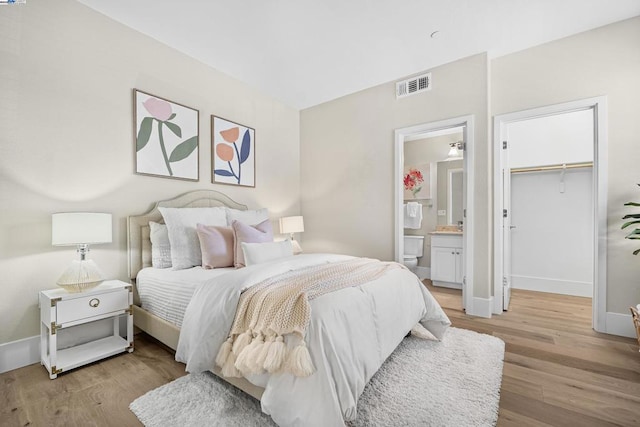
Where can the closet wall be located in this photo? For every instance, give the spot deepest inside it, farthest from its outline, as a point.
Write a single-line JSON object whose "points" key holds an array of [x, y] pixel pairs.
{"points": [[552, 211]]}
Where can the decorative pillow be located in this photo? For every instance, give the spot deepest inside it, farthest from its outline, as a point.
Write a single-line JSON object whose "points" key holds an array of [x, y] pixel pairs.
{"points": [[181, 223], [216, 245], [251, 217], [257, 253], [242, 232], [160, 246]]}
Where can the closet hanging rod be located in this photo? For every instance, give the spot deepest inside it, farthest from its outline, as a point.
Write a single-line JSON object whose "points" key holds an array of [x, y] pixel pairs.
{"points": [[553, 167]]}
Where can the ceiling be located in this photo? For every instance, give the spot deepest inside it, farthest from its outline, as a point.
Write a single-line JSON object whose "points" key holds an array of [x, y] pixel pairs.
{"points": [[306, 52]]}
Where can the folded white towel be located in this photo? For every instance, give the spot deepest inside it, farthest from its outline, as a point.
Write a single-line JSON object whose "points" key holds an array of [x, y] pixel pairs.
{"points": [[413, 222], [413, 208]]}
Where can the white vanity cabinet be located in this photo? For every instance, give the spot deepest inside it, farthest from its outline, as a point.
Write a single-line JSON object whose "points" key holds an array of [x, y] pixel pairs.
{"points": [[447, 260]]}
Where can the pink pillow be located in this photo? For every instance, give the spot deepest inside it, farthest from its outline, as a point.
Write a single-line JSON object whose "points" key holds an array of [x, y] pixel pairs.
{"points": [[216, 244], [242, 232]]}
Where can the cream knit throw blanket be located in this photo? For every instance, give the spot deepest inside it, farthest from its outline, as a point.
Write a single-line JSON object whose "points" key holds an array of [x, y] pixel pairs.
{"points": [[280, 306]]}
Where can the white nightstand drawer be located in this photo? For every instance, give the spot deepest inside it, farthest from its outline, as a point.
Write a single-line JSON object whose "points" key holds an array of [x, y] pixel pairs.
{"points": [[70, 310]]}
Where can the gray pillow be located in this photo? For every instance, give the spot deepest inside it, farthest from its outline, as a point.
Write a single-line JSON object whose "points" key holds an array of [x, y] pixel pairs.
{"points": [[160, 246], [181, 223]]}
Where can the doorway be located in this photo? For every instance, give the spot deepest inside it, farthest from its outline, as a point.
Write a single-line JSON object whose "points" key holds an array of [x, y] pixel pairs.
{"points": [[450, 174], [550, 192]]}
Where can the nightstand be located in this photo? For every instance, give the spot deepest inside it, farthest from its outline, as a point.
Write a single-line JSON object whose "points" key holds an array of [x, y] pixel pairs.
{"points": [[60, 309]]}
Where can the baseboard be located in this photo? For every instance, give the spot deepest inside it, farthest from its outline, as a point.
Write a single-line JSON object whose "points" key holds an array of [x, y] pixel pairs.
{"points": [[16, 354], [447, 285], [554, 286], [423, 272], [620, 324], [480, 307]]}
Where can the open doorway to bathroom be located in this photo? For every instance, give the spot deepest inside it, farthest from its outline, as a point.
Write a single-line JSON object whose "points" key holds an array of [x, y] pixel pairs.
{"points": [[432, 206]]}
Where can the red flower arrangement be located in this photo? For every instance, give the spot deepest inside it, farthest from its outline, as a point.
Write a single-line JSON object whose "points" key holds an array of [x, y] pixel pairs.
{"points": [[413, 181]]}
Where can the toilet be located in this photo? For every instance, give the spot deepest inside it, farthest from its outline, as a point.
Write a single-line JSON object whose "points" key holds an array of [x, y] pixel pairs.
{"points": [[413, 249]]}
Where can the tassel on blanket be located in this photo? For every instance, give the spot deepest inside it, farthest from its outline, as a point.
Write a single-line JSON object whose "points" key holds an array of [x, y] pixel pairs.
{"points": [[276, 355], [224, 352], [299, 362], [262, 355], [229, 369], [245, 362], [241, 341]]}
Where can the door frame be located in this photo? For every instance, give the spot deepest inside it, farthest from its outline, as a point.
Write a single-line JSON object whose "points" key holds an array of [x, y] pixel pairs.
{"points": [[600, 169], [468, 161]]}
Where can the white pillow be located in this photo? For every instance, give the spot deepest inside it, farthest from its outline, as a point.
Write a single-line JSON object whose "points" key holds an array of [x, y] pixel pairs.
{"points": [[160, 246], [257, 253], [181, 224], [250, 217]]}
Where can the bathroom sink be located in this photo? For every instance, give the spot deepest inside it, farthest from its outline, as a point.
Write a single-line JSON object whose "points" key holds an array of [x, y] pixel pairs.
{"points": [[446, 229]]}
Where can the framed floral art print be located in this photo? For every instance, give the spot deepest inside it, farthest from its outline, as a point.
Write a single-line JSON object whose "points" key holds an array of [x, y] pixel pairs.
{"points": [[232, 153], [166, 137], [417, 182]]}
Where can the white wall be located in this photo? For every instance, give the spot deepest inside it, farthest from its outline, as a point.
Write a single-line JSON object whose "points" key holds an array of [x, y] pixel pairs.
{"points": [[604, 61], [67, 140], [347, 162], [551, 140], [552, 244]]}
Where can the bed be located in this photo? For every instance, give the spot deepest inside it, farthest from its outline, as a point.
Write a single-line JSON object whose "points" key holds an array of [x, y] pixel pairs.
{"points": [[335, 383]]}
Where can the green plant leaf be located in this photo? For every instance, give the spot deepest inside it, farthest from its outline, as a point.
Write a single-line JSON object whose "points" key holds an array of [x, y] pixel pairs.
{"points": [[174, 128], [635, 234], [631, 216], [626, 224], [184, 149], [636, 251], [144, 133], [632, 204], [171, 116]]}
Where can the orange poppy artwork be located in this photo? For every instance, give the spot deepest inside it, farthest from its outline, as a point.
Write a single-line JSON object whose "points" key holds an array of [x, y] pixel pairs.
{"points": [[232, 152]]}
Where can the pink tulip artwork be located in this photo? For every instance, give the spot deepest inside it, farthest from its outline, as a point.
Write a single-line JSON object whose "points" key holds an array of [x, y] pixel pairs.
{"points": [[166, 137], [233, 147]]}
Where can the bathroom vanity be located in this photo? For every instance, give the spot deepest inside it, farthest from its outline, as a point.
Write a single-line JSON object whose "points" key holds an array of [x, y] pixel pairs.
{"points": [[447, 259]]}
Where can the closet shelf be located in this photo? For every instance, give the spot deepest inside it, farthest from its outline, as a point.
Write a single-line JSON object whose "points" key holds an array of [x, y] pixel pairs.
{"points": [[553, 167]]}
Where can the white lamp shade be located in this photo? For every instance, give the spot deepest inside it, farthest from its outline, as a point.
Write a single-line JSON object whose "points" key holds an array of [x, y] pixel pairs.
{"points": [[77, 228], [291, 224]]}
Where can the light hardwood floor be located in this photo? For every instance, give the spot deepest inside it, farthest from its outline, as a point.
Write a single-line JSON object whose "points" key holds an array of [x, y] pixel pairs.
{"points": [[557, 372]]}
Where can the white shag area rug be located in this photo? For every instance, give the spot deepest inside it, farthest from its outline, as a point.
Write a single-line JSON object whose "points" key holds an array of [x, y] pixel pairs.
{"points": [[455, 382]]}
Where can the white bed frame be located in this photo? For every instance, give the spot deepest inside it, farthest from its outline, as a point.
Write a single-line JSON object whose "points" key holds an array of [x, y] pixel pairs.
{"points": [[139, 257]]}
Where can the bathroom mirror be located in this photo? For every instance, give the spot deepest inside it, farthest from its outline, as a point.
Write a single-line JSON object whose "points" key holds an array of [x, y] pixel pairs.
{"points": [[454, 196], [450, 192]]}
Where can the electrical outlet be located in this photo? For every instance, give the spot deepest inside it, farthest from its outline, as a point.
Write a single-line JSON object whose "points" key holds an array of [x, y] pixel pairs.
{"points": [[442, 212]]}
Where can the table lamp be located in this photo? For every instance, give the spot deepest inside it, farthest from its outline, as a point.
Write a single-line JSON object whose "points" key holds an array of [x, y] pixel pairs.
{"points": [[80, 229], [290, 225]]}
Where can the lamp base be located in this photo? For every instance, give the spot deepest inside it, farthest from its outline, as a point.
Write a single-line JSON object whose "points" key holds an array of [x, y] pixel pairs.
{"points": [[81, 275], [297, 249]]}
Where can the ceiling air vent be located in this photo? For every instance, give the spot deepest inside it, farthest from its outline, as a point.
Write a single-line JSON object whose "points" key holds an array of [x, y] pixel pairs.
{"points": [[413, 85]]}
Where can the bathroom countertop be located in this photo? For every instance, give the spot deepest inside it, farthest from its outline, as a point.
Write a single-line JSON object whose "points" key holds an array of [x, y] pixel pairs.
{"points": [[451, 233]]}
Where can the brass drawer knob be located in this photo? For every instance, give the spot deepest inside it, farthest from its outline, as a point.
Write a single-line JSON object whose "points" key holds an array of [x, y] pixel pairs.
{"points": [[94, 302]]}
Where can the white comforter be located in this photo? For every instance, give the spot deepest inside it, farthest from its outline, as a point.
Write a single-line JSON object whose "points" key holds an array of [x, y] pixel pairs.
{"points": [[351, 333]]}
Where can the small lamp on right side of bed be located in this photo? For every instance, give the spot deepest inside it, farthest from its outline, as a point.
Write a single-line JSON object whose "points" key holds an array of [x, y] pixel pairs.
{"points": [[290, 225]]}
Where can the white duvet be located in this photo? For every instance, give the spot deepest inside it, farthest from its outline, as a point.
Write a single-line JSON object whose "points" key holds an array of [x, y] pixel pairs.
{"points": [[351, 333]]}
